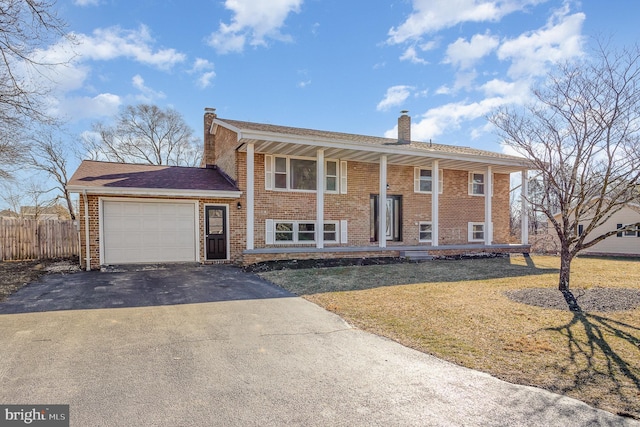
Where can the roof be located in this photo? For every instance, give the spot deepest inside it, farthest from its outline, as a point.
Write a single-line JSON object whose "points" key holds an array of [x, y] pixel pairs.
{"points": [[346, 145], [124, 178]]}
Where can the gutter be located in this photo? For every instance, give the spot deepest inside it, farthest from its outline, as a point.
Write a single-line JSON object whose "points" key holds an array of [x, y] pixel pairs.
{"points": [[86, 230]]}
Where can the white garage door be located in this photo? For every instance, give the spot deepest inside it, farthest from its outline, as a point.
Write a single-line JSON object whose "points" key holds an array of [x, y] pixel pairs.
{"points": [[139, 232]]}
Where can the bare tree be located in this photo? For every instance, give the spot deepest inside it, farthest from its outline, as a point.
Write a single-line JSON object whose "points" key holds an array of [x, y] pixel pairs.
{"points": [[145, 134], [582, 134], [50, 154], [25, 26]]}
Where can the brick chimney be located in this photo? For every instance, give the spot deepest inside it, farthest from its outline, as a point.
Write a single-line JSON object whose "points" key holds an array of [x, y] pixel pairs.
{"points": [[404, 128], [208, 156]]}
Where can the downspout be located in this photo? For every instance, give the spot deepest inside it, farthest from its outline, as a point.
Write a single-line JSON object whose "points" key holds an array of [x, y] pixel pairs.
{"points": [[86, 231]]}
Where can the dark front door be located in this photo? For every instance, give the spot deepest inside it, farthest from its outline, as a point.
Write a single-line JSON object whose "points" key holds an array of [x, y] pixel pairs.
{"points": [[216, 230]]}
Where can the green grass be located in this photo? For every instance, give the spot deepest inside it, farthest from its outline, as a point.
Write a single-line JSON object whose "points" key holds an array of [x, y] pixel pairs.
{"points": [[458, 311]]}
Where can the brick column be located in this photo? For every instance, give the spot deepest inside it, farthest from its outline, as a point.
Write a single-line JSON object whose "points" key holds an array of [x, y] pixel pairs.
{"points": [[250, 194]]}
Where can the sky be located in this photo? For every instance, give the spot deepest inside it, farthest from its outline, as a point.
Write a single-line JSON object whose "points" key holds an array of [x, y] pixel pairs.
{"points": [[338, 65]]}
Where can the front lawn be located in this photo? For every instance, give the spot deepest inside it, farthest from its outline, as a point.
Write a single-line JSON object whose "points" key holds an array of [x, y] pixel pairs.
{"points": [[465, 311]]}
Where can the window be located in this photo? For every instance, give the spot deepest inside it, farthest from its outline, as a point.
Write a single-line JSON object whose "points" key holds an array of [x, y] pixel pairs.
{"points": [[632, 232], [476, 183], [303, 174], [423, 180], [301, 231], [476, 231], [330, 232], [331, 174], [299, 174], [280, 172], [425, 231]]}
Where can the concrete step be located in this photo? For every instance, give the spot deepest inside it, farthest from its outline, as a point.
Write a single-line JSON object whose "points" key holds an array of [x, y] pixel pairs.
{"points": [[416, 255]]}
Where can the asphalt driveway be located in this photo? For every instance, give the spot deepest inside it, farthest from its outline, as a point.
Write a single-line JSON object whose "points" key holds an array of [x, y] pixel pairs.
{"points": [[207, 346]]}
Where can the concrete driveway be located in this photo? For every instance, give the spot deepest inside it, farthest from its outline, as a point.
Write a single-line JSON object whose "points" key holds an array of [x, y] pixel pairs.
{"points": [[213, 346]]}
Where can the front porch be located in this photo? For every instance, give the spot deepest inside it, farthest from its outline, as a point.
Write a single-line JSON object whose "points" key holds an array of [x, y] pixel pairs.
{"points": [[254, 256]]}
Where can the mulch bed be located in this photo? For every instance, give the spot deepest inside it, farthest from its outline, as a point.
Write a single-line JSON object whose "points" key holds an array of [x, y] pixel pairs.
{"points": [[592, 299], [296, 264]]}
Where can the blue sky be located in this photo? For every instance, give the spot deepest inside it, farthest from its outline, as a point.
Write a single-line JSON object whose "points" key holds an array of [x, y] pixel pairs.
{"points": [[340, 65]]}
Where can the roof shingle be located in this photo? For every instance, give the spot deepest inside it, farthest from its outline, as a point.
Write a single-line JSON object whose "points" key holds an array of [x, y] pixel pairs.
{"points": [[125, 175]]}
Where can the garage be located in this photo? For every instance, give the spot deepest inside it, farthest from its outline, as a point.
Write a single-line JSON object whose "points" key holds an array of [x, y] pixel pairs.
{"points": [[148, 231]]}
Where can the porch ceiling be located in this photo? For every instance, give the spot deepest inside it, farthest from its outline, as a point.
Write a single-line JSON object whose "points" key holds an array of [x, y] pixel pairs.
{"points": [[396, 155]]}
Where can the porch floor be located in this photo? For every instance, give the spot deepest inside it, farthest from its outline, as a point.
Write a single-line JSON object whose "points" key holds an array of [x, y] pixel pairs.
{"points": [[433, 250]]}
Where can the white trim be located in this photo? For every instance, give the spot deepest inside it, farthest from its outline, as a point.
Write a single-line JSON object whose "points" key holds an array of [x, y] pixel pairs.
{"points": [[343, 177], [227, 231], [434, 181], [320, 165], [196, 210], [421, 223], [382, 203], [336, 176], [343, 231], [268, 171], [157, 192], [488, 235], [338, 231], [470, 231], [435, 205], [250, 195], [318, 141], [524, 212], [269, 231]]}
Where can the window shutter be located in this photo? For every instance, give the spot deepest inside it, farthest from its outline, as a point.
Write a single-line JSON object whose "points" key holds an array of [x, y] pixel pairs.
{"points": [[440, 181], [416, 180], [343, 177], [343, 231], [268, 172], [269, 232], [470, 183], [619, 234]]}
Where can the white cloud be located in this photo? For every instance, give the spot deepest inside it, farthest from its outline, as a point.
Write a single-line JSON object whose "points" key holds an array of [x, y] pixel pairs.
{"points": [[429, 16], [146, 95], [74, 68], [204, 81], [114, 42], [394, 97], [410, 54], [204, 69], [464, 54], [437, 121], [253, 22], [86, 2], [76, 108], [304, 84], [560, 39]]}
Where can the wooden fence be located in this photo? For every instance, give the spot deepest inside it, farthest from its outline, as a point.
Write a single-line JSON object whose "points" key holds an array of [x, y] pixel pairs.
{"points": [[26, 239]]}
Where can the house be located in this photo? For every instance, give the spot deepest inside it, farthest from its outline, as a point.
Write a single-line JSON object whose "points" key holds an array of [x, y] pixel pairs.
{"points": [[8, 214], [624, 243], [258, 197], [44, 212]]}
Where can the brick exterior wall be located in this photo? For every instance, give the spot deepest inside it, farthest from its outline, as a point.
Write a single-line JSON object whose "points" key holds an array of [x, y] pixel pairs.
{"points": [[236, 219], [457, 207]]}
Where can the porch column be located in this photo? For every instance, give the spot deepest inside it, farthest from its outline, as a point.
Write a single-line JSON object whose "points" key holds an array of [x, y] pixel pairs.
{"points": [[320, 198], [250, 194], [488, 190], [382, 204], [524, 211], [435, 193]]}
